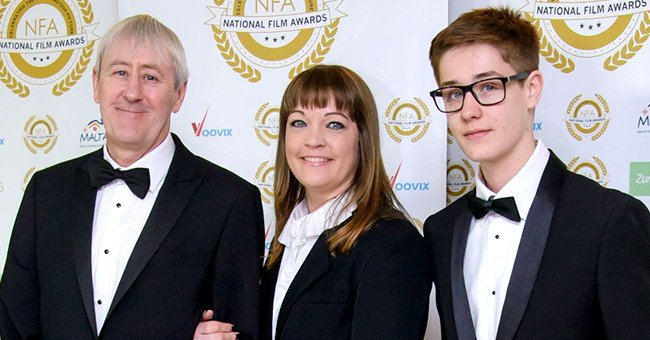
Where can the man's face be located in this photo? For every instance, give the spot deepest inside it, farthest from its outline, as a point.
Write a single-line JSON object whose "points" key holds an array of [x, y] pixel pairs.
{"points": [[500, 134], [136, 96]]}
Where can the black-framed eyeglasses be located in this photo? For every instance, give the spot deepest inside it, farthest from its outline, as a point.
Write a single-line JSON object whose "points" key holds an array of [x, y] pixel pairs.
{"points": [[487, 92]]}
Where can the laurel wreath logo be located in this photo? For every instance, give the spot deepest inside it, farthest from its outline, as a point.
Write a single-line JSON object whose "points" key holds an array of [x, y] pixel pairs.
{"points": [[570, 109], [10, 81], [572, 167], [455, 194], [546, 49], [82, 64], [425, 127], [259, 133], [51, 145], [318, 55], [630, 49], [258, 176]]}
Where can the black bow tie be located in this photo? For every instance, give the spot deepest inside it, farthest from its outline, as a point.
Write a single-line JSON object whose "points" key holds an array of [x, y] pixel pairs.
{"points": [[505, 207], [102, 173]]}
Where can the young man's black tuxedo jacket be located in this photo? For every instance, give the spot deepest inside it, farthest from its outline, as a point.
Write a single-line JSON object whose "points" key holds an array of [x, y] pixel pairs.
{"points": [[582, 270], [200, 248]]}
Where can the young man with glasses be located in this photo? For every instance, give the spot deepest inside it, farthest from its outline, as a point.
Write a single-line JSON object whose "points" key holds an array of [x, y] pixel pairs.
{"points": [[535, 252]]}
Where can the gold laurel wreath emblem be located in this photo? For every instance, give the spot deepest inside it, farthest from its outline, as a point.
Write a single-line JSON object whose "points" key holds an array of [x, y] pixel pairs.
{"points": [[318, 54], [455, 195], [9, 80], [425, 127], [388, 129], [258, 176], [633, 46], [546, 49], [259, 134], [84, 60], [26, 130], [572, 167], [569, 125]]}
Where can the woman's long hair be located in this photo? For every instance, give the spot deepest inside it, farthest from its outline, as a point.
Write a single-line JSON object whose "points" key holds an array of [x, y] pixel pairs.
{"points": [[370, 190]]}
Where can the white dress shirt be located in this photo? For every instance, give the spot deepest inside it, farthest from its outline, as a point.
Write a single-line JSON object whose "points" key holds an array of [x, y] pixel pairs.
{"points": [[118, 221], [492, 245], [298, 237]]}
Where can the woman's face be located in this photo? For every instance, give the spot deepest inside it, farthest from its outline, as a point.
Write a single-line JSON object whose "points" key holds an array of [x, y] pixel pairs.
{"points": [[321, 146]]}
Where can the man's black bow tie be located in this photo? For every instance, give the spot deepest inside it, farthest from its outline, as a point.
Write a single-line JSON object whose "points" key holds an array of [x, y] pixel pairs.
{"points": [[505, 207], [102, 173]]}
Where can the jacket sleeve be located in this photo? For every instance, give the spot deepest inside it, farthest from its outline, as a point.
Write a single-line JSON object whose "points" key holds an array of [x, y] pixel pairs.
{"points": [[19, 292], [624, 273], [393, 291], [238, 265]]}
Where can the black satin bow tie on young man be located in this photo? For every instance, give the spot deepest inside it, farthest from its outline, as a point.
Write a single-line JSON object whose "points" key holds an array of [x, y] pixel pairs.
{"points": [[505, 207], [102, 173]]}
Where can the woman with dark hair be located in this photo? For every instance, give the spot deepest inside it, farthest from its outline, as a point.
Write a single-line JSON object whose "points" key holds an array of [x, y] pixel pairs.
{"points": [[345, 262]]}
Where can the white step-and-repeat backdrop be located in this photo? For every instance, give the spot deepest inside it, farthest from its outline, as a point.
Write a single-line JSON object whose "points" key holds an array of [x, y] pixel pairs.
{"points": [[595, 112]]}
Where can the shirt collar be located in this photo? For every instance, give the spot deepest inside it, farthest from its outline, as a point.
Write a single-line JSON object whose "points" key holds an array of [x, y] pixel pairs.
{"points": [[523, 186], [303, 225], [157, 161]]}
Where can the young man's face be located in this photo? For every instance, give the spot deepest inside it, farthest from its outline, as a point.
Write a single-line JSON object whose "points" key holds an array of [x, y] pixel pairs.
{"points": [[498, 134]]}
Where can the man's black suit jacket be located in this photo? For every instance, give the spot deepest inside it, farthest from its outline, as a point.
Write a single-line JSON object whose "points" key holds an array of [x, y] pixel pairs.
{"points": [[200, 248], [582, 270], [379, 290]]}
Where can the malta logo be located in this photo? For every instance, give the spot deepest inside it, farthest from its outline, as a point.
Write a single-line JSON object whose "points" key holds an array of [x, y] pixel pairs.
{"points": [[93, 135], [613, 31], [587, 117], [643, 124], [274, 34], [45, 42], [266, 125], [40, 134], [405, 119], [594, 170], [264, 181], [460, 179]]}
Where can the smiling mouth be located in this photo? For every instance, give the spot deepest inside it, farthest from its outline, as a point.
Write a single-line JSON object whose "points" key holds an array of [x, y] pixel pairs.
{"points": [[315, 160]]}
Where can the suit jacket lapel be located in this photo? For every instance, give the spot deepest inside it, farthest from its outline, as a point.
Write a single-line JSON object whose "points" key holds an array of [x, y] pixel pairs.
{"points": [[83, 211], [462, 313], [531, 248], [315, 265], [177, 190]]}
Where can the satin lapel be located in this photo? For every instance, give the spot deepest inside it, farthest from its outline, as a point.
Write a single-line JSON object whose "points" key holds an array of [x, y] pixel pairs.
{"points": [[462, 313], [179, 185], [531, 248], [315, 265], [82, 214]]}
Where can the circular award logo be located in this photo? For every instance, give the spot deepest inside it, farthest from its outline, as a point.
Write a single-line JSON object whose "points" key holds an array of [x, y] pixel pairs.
{"points": [[460, 179], [612, 30], [264, 180], [45, 42], [266, 124], [273, 34], [40, 134], [587, 117], [407, 119]]}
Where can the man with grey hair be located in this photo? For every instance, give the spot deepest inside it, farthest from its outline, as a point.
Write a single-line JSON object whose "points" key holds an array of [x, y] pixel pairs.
{"points": [[137, 239]]}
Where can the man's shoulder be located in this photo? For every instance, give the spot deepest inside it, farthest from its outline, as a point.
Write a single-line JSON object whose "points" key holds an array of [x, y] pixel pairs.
{"points": [[214, 173], [67, 166]]}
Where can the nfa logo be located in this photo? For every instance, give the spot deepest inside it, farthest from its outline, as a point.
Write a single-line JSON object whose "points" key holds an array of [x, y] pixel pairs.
{"points": [[44, 42], [273, 33], [264, 180], [612, 30], [93, 135], [587, 117], [595, 170], [643, 125], [407, 119], [40, 134], [460, 179], [266, 124], [200, 130], [450, 136]]}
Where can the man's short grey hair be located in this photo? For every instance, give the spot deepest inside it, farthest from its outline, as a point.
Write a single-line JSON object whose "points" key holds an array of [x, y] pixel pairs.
{"points": [[145, 29]]}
